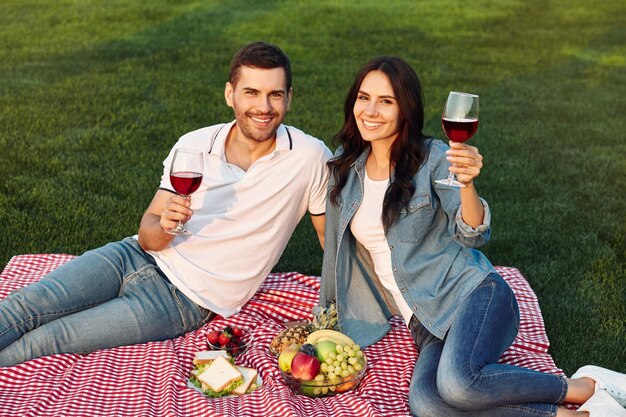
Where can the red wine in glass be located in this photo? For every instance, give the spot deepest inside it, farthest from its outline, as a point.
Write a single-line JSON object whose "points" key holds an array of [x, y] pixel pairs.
{"points": [[186, 177], [185, 182], [460, 121], [459, 130]]}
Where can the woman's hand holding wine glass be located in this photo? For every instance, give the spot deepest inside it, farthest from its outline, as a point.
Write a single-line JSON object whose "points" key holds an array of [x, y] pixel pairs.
{"points": [[460, 121], [466, 162]]}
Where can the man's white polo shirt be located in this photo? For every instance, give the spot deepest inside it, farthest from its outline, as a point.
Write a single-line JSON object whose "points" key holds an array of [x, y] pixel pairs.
{"points": [[242, 220]]}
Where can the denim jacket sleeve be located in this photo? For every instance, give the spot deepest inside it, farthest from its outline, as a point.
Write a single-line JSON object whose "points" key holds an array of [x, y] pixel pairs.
{"points": [[328, 291], [463, 233]]}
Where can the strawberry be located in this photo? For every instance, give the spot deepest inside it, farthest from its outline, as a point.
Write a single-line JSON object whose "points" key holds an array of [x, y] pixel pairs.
{"points": [[224, 338], [237, 332], [213, 338]]}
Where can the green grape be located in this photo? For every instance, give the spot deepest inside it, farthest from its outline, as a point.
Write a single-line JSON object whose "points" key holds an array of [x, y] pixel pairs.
{"points": [[345, 373], [359, 354], [336, 363], [344, 365], [358, 366], [319, 377], [350, 369], [332, 355], [356, 348], [324, 390], [351, 361], [328, 361], [331, 376], [339, 349], [324, 367], [338, 370], [332, 388], [317, 391], [340, 357]]}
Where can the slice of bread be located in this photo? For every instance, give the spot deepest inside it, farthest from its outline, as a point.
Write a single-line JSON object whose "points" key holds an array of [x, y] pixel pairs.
{"points": [[219, 374], [249, 375], [207, 356]]}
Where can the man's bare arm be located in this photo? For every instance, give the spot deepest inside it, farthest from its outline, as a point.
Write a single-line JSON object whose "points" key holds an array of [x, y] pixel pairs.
{"points": [[318, 224], [164, 212]]}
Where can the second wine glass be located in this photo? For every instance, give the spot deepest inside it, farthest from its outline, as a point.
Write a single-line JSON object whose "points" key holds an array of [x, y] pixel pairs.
{"points": [[185, 176], [460, 121]]}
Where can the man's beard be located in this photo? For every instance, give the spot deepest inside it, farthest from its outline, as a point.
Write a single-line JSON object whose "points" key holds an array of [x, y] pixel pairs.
{"points": [[248, 128]]}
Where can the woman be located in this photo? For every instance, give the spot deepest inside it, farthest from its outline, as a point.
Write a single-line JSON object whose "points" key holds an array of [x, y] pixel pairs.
{"points": [[397, 243]]}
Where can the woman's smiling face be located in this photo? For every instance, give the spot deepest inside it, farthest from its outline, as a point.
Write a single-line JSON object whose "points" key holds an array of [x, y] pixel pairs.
{"points": [[376, 109]]}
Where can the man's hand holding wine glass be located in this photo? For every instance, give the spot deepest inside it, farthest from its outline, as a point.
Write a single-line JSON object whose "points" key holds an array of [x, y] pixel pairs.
{"points": [[175, 210], [186, 176]]}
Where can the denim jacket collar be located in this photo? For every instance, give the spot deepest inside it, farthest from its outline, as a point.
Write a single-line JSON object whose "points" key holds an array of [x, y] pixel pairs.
{"points": [[359, 163]]}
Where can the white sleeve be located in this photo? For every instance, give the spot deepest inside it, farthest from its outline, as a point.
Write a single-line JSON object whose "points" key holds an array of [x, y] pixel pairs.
{"points": [[165, 178], [319, 182]]}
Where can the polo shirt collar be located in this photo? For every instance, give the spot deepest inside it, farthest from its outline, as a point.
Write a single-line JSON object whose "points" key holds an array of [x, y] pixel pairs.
{"points": [[284, 141]]}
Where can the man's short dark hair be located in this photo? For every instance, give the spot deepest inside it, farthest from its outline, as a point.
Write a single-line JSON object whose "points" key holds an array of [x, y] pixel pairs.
{"points": [[260, 55]]}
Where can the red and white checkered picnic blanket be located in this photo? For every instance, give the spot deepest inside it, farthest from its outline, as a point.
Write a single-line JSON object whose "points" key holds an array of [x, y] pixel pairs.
{"points": [[151, 379]]}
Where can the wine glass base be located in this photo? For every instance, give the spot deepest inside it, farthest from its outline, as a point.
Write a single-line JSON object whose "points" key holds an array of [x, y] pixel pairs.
{"points": [[450, 183], [179, 232]]}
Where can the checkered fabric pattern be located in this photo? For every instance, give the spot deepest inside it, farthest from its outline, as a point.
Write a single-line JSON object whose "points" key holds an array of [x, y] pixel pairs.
{"points": [[151, 379]]}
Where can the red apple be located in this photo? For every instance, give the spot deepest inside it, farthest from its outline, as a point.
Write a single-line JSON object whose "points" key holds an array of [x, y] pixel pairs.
{"points": [[304, 367]]}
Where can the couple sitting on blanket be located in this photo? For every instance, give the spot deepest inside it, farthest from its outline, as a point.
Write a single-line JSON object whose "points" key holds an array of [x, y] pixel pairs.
{"points": [[395, 243]]}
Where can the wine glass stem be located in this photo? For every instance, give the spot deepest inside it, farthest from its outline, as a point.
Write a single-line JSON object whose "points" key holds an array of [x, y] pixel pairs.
{"points": [[181, 228]]}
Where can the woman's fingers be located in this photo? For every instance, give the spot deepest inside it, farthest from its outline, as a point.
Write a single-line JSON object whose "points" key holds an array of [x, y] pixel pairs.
{"points": [[466, 161]]}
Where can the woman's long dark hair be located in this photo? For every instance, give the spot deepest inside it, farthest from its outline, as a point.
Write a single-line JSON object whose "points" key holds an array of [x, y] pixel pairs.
{"points": [[408, 150]]}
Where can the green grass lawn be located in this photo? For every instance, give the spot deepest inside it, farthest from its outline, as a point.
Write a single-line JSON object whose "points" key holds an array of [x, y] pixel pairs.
{"points": [[94, 94]]}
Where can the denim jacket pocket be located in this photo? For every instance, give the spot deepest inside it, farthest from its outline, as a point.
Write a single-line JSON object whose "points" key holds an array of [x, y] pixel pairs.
{"points": [[416, 219]]}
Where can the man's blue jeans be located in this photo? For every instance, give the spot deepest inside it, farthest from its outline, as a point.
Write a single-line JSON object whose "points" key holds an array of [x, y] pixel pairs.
{"points": [[108, 297], [461, 376]]}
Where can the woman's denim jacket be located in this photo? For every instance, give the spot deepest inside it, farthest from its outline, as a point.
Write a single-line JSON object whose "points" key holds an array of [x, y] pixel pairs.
{"points": [[431, 256]]}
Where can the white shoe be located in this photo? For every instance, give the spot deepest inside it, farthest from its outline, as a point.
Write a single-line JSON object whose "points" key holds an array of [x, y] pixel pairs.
{"points": [[610, 381], [601, 404]]}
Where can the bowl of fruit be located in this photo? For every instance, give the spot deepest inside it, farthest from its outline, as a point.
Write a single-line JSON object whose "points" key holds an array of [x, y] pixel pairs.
{"points": [[328, 363], [234, 340]]}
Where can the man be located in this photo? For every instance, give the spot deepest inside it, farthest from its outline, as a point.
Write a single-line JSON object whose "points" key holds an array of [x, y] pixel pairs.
{"points": [[259, 179]]}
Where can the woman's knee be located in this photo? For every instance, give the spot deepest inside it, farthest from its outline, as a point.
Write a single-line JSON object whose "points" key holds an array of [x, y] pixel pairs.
{"points": [[456, 389], [427, 404], [424, 400]]}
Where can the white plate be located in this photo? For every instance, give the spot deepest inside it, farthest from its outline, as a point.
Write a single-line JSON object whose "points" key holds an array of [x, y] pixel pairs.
{"points": [[259, 383]]}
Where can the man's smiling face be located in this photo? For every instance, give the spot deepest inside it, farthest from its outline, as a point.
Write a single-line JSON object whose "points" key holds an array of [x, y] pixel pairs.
{"points": [[260, 100]]}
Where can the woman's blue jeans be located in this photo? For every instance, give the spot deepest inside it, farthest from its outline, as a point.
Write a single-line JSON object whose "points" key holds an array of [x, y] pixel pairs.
{"points": [[460, 375], [108, 297]]}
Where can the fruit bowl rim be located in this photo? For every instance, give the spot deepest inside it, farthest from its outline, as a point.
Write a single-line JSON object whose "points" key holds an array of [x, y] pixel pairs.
{"points": [[247, 334], [321, 384]]}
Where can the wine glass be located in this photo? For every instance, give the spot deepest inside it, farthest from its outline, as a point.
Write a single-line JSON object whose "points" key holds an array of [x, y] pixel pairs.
{"points": [[185, 176], [459, 121]]}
